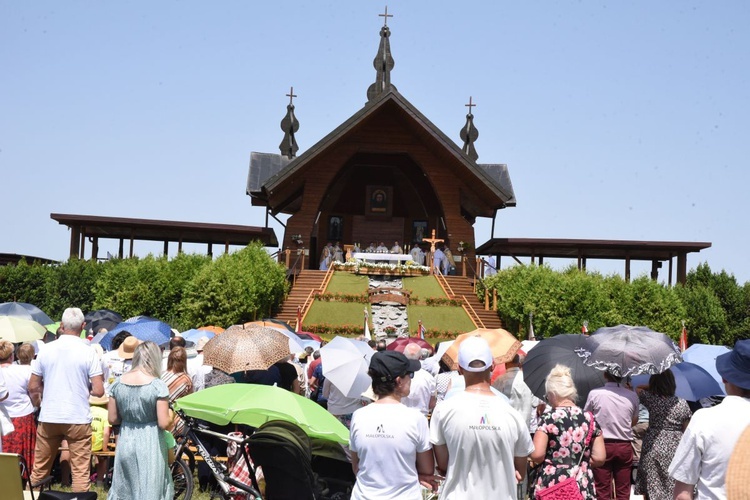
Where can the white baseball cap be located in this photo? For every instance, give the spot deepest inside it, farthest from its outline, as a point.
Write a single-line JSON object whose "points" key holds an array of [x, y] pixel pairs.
{"points": [[474, 349]]}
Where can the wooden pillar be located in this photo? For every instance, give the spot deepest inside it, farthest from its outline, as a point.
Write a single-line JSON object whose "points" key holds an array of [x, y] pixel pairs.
{"points": [[627, 269], [486, 300], [494, 299], [287, 257], [541, 260], [75, 241], [131, 244], [210, 249], [82, 252], [681, 268], [166, 248], [120, 248], [583, 263], [463, 265], [670, 269], [655, 265], [95, 249], [226, 247], [179, 245]]}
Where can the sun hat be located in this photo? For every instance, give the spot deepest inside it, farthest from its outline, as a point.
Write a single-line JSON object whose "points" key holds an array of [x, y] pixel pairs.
{"points": [[201, 343], [98, 401], [734, 366], [474, 349], [738, 469], [127, 348], [388, 365]]}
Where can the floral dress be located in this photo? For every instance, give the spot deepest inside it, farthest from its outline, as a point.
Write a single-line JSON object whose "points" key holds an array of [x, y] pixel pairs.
{"points": [[666, 416], [566, 428]]}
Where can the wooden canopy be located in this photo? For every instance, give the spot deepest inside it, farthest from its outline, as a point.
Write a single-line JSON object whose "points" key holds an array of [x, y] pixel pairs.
{"points": [[94, 228], [7, 259], [581, 250]]}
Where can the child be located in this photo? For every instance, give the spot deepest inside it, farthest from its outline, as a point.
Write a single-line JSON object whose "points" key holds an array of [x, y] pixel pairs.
{"points": [[100, 432]]}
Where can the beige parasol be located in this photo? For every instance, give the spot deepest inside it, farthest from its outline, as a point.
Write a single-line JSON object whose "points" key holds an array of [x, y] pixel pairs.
{"points": [[503, 344], [242, 348]]}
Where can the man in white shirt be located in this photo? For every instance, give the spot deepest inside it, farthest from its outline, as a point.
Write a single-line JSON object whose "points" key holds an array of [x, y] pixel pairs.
{"points": [[480, 444], [438, 260], [417, 255], [490, 267], [702, 457], [422, 393], [396, 248], [60, 381]]}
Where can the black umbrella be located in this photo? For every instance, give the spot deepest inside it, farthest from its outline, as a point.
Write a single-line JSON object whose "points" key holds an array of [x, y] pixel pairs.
{"points": [[625, 350], [25, 311], [560, 349], [102, 318]]}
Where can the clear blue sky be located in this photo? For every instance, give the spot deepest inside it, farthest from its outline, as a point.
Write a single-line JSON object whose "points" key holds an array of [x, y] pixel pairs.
{"points": [[618, 120]]}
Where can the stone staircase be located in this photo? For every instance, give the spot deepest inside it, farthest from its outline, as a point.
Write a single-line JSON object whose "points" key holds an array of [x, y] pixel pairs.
{"points": [[307, 280], [461, 285]]}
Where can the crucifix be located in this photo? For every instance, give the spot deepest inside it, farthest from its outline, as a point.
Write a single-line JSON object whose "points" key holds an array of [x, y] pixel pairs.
{"points": [[432, 241], [291, 95], [385, 16]]}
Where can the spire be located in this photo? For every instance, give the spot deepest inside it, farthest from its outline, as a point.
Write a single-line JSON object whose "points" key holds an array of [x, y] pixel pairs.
{"points": [[469, 134], [383, 61], [289, 125]]}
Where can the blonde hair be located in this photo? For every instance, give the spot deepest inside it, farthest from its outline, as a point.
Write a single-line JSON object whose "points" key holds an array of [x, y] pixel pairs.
{"points": [[559, 383], [26, 353], [147, 357], [6, 349]]}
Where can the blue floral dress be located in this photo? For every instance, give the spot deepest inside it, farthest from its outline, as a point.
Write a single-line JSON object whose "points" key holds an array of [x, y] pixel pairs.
{"points": [[141, 471], [566, 429]]}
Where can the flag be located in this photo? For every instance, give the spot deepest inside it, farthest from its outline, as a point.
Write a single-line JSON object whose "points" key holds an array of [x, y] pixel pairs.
{"points": [[531, 335], [683, 338], [421, 329], [367, 326], [298, 328]]}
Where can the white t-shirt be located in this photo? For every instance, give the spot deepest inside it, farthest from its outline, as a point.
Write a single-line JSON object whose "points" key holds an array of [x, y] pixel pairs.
{"points": [[422, 389], [483, 435], [115, 368], [705, 447], [387, 438], [66, 366], [17, 378]]}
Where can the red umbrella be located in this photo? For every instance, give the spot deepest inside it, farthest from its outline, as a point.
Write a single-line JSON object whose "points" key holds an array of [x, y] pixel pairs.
{"points": [[400, 344]]}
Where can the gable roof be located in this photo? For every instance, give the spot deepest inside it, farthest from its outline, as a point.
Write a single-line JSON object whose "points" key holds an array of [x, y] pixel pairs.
{"points": [[494, 176]]}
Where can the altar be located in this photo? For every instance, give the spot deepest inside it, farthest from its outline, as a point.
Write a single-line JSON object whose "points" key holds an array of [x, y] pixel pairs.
{"points": [[399, 258]]}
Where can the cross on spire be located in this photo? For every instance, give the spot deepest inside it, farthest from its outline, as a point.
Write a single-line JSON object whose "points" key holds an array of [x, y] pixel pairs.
{"points": [[291, 95], [385, 16], [470, 105]]}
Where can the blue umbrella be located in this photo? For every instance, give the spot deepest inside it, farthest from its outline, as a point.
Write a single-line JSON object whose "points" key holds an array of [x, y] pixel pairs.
{"points": [[145, 329], [193, 335], [704, 355], [25, 311], [693, 382]]}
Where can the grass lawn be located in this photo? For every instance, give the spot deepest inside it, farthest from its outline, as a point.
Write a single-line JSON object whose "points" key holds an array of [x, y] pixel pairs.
{"points": [[444, 318], [336, 313], [423, 287], [348, 283]]}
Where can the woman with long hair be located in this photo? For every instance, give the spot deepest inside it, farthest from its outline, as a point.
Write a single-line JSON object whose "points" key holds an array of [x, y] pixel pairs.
{"points": [[178, 381], [139, 404], [668, 418], [560, 441], [18, 405]]}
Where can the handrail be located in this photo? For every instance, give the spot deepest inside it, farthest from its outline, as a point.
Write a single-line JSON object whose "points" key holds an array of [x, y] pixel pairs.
{"points": [[472, 313], [445, 286], [313, 293]]}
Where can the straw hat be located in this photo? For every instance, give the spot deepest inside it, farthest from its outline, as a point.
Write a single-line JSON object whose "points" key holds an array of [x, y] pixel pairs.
{"points": [[201, 343], [99, 401], [127, 348], [738, 469]]}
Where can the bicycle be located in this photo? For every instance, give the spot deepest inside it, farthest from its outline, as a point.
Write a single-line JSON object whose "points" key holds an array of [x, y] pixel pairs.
{"points": [[182, 473]]}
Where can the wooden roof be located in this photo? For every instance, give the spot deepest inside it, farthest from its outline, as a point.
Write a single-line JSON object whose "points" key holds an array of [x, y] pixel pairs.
{"points": [[591, 249], [14, 258], [164, 230]]}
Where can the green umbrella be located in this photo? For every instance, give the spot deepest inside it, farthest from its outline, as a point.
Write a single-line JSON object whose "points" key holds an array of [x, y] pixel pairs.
{"points": [[20, 330], [253, 405]]}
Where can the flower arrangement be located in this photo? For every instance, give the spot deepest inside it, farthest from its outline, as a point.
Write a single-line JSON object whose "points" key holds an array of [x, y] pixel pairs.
{"points": [[353, 265], [463, 247], [389, 330], [297, 238]]}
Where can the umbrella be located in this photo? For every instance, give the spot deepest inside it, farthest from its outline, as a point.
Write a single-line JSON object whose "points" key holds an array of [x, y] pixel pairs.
{"points": [[400, 344], [145, 329], [193, 335], [25, 311], [253, 405], [345, 363], [560, 349], [625, 350], [693, 382], [16, 330], [240, 349], [705, 356], [295, 344], [102, 318], [503, 344], [211, 328], [53, 327]]}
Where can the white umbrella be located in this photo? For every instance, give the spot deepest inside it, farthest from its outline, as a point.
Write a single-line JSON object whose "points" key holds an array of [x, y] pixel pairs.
{"points": [[18, 330], [345, 364]]}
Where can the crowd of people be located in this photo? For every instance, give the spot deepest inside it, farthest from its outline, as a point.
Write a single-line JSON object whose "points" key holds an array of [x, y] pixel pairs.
{"points": [[473, 432]]}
